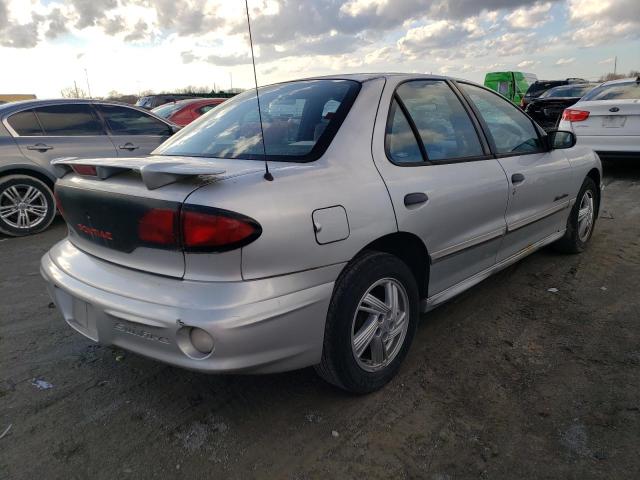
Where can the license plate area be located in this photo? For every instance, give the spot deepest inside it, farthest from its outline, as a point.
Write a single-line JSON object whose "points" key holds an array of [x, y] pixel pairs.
{"points": [[614, 121], [77, 313]]}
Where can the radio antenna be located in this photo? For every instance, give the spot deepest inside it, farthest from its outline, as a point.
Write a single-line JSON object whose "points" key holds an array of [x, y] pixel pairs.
{"points": [[267, 174]]}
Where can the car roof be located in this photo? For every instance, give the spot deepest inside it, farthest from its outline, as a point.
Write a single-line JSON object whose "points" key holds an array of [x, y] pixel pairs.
{"points": [[23, 104], [622, 80]]}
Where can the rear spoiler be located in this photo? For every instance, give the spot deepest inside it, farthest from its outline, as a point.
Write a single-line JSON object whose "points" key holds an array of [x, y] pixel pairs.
{"points": [[155, 173]]}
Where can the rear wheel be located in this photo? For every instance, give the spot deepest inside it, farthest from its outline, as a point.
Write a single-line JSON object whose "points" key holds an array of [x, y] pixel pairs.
{"points": [[371, 323], [582, 219], [26, 205]]}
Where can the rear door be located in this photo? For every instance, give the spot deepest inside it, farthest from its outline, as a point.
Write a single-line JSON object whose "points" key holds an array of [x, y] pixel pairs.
{"points": [[539, 180], [444, 185], [62, 130], [134, 132]]}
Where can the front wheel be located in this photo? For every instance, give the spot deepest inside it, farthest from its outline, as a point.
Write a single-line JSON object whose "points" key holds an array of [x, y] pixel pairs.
{"points": [[371, 323], [26, 205], [582, 219]]}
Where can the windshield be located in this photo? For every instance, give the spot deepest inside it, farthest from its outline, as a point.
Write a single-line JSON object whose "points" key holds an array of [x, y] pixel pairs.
{"points": [[168, 109], [615, 91], [144, 102], [567, 91], [299, 121]]}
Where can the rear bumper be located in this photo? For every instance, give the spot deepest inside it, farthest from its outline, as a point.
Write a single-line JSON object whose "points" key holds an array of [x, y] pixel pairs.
{"points": [[627, 146], [260, 326]]}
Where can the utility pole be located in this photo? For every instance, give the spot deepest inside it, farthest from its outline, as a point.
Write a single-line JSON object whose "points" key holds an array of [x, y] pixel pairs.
{"points": [[86, 75], [231, 80], [615, 65], [75, 85]]}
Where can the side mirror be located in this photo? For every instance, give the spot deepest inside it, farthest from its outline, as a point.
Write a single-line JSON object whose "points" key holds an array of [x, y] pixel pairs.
{"points": [[559, 139]]}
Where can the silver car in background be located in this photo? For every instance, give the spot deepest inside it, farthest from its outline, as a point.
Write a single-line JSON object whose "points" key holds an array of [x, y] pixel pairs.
{"points": [[390, 195], [34, 132]]}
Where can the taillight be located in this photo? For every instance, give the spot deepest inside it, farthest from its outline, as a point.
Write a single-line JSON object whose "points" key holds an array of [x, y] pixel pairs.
{"points": [[159, 226], [571, 115], [197, 229], [58, 202], [86, 170], [207, 229]]}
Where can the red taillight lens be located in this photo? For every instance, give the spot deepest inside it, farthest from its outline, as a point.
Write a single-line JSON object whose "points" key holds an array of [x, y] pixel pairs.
{"points": [[86, 170], [571, 115], [217, 230], [159, 226]]}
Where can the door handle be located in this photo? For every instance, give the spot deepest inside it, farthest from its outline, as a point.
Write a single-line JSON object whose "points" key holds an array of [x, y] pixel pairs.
{"points": [[40, 147], [517, 178], [128, 146], [416, 198]]}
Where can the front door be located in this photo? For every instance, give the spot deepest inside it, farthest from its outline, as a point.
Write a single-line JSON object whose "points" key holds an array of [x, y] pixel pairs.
{"points": [[444, 185], [539, 178]]}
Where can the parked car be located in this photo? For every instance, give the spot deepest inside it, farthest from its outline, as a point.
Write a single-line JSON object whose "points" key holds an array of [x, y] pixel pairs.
{"points": [[32, 133], [548, 107], [184, 112], [607, 119], [537, 88], [511, 85], [152, 101], [389, 195]]}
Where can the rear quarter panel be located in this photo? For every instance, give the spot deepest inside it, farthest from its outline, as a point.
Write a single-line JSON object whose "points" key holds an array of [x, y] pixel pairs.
{"points": [[345, 175]]}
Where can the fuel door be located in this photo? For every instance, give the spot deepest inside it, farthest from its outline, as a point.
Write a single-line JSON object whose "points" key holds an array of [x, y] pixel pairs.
{"points": [[330, 224]]}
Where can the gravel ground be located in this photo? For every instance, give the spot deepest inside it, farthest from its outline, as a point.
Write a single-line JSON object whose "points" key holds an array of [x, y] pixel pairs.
{"points": [[509, 380]]}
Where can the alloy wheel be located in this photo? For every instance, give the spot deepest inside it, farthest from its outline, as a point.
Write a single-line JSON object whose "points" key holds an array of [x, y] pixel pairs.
{"points": [[380, 324], [23, 206], [586, 214]]}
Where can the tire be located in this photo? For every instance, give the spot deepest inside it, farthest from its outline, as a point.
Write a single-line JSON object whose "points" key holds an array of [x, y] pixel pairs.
{"points": [[575, 239], [40, 207], [379, 274]]}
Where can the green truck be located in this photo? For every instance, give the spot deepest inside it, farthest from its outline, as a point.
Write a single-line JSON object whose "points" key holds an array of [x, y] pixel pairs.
{"points": [[512, 85]]}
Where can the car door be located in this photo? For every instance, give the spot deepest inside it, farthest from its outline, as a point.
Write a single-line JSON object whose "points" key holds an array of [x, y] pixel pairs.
{"points": [[60, 130], [540, 179], [134, 132], [444, 185]]}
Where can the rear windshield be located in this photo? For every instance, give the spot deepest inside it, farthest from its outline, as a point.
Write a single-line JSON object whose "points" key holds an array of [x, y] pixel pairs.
{"points": [[299, 121], [567, 91], [168, 109], [615, 91], [539, 87]]}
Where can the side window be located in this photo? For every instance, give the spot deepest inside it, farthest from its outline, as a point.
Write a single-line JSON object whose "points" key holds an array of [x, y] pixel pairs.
{"points": [[127, 121], [401, 143], [512, 131], [205, 109], [69, 120], [442, 122], [25, 124]]}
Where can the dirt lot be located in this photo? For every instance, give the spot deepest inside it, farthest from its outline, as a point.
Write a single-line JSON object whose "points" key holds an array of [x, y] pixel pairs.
{"points": [[507, 381]]}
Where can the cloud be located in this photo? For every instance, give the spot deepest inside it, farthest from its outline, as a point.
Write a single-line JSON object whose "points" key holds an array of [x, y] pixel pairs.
{"points": [[57, 24], [603, 21], [114, 25], [89, 12], [565, 61], [529, 17], [140, 31], [437, 36], [528, 63]]}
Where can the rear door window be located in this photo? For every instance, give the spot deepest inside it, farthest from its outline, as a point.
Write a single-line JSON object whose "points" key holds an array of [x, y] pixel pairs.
{"points": [[615, 91], [69, 120], [128, 121], [511, 130], [25, 124], [442, 123]]}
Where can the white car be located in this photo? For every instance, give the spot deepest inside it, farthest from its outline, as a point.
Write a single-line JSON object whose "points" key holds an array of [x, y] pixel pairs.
{"points": [[607, 119]]}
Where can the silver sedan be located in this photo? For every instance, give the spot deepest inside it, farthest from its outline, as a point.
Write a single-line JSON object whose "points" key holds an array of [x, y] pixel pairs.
{"points": [[385, 196]]}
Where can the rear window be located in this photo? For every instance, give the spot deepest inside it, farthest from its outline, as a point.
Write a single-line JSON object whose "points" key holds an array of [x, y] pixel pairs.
{"points": [[538, 88], [615, 91], [69, 120], [165, 111], [299, 121], [25, 123], [567, 91]]}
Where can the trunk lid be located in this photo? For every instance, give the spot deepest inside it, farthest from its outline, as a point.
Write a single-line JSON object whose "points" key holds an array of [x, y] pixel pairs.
{"points": [[121, 210], [609, 117]]}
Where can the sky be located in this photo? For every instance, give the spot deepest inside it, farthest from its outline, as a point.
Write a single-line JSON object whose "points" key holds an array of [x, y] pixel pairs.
{"points": [[131, 46]]}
